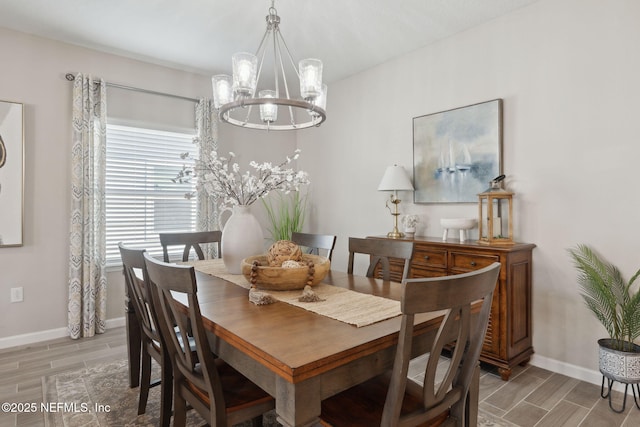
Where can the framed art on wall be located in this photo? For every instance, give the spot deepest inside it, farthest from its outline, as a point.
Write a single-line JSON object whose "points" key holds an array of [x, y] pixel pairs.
{"points": [[457, 152], [11, 173]]}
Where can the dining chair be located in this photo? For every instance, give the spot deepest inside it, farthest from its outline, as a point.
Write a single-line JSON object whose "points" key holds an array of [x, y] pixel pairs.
{"points": [[379, 251], [219, 393], [151, 341], [393, 400], [315, 242], [192, 239]]}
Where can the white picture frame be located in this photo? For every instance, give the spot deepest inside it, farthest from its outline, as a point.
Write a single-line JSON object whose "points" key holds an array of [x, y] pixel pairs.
{"points": [[11, 174]]}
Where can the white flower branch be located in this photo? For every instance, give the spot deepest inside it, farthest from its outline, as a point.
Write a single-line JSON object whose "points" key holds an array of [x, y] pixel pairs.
{"points": [[218, 176]]}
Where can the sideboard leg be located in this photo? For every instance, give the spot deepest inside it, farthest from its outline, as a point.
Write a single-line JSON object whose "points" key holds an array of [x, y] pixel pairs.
{"points": [[505, 373]]}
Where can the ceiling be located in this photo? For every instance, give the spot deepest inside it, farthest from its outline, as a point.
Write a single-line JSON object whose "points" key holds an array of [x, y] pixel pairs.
{"points": [[201, 35]]}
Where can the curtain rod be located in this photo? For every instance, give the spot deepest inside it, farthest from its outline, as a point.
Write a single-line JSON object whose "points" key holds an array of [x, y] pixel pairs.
{"points": [[71, 78]]}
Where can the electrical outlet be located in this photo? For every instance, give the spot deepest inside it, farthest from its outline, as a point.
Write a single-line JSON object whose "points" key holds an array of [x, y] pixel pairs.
{"points": [[17, 294]]}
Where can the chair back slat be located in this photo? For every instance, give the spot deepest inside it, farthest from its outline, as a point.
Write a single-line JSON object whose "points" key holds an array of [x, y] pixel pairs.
{"points": [[315, 242], [173, 288], [138, 290], [463, 323], [199, 376], [190, 240], [380, 251]]}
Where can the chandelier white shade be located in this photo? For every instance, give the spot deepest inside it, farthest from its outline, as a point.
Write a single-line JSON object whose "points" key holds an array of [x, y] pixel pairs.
{"points": [[235, 96]]}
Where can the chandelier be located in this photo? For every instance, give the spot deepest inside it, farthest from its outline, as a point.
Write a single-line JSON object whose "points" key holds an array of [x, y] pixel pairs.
{"points": [[235, 96]]}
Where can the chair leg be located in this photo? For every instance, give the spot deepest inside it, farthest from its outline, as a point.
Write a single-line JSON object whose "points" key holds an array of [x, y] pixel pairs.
{"points": [[257, 421], [166, 392], [471, 413], [145, 381], [179, 408], [465, 411]]}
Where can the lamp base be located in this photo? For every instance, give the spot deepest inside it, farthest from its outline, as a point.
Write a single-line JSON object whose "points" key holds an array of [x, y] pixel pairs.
{"points": [[395, 235]]}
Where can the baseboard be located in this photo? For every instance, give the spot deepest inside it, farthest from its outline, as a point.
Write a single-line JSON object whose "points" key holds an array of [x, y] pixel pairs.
{"points": [[573, 371], [553, 365], [116, 323], [35, 337]]}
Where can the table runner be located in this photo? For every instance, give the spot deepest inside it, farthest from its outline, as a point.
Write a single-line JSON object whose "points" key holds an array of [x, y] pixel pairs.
{"points": [[340, 304]]}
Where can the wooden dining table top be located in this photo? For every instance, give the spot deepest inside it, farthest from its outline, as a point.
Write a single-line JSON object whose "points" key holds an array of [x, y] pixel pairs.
{"points": [[300, 357], [293, 342]]}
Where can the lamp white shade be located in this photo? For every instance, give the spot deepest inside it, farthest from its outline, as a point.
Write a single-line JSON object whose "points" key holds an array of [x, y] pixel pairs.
{"points": [[395, 178]]}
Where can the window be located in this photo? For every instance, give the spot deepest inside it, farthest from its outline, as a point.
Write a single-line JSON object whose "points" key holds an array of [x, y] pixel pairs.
{"points": [[141, 198]]}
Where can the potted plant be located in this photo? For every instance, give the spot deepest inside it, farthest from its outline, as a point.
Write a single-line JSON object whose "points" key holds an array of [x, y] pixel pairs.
{"points": [[617, 306], [286, 213]]}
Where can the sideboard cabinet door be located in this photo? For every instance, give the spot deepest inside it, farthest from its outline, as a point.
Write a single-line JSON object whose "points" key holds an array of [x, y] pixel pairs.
{"points": [[508, 341]]}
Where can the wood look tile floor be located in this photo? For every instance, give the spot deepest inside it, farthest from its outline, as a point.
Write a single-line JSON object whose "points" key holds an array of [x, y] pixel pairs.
{"points": [[532, 397]]}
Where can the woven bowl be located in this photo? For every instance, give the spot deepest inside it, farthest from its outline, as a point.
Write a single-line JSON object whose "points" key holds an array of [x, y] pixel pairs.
{"points": [[285, 279]]}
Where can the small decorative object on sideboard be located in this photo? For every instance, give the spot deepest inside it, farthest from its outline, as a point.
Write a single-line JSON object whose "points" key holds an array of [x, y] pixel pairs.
{"points": [[495, 219], [613, 302], [409, 223], [462, 224]]}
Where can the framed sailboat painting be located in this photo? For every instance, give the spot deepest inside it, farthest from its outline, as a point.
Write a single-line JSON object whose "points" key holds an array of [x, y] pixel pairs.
{"points": [[457, 152]]}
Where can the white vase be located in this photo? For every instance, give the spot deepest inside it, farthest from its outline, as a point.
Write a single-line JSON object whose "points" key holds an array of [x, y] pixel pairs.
{"points": [[241, 238]]}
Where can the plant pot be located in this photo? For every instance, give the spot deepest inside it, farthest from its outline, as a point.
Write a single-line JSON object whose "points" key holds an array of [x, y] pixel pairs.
{"points": [[622, 366]]}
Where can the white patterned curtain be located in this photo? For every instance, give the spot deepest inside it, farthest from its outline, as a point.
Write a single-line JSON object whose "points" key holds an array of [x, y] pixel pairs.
{"points": [[87, 279], [207, 139]]}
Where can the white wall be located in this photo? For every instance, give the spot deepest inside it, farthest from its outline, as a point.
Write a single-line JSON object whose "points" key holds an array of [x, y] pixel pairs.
{"points": [[568, 73], [33, 74], [261, 146], [566, 69]]}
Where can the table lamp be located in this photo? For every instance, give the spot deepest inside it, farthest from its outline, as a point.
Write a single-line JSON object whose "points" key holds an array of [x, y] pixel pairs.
{"points": [[395, 179]]}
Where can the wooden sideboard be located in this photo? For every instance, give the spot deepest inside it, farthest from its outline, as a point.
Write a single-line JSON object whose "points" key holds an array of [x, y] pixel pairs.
{"points": [[508, 341]]}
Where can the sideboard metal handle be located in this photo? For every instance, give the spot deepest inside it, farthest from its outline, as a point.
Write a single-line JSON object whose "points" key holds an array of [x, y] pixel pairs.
{"points": [[473, 263], [426, 257]]}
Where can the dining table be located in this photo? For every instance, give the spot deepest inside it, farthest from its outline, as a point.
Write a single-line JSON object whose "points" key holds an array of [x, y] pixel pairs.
{"points": [[301, 357]]}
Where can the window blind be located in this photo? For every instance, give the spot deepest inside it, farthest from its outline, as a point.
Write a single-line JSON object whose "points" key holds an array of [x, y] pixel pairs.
{"points": [[141, 198]]}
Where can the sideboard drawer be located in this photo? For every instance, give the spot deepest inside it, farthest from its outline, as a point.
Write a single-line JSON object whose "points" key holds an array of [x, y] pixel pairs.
{"points": [[423, 257], [469, 262], [508, 341], [420, 272]]}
